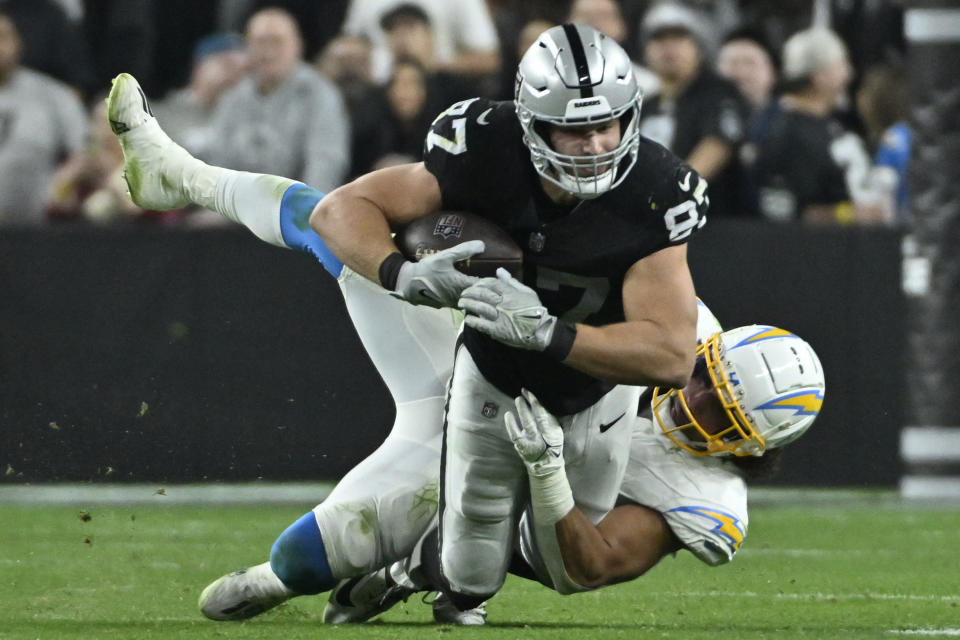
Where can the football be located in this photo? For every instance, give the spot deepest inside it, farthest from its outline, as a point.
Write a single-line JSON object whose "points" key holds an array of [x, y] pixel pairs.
{"points": [[445, 229]]}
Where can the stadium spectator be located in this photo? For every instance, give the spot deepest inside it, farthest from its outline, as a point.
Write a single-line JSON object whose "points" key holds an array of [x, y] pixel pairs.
{"points": [[219, 63], [747, 60], [390, 121], [410, 34], [407, 115], [346, 61], [283, 117], [320, 21], [466, 39], [42, 122], [882, 104], [750, 63], [696, 114], [808, 166], [411, 110], [51, 43]]}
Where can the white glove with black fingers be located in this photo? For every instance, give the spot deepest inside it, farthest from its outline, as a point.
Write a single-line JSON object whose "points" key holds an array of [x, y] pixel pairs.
{"points": [[433, 280], [510, 312], [538, 439]]}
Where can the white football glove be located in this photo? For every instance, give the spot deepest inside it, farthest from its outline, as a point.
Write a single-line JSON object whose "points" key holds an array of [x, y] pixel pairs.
{"points": [[433, 280], [509, 312], [538, 439], [537, 436]]}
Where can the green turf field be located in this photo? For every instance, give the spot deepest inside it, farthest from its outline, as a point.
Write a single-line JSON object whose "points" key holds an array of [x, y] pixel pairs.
{"points": [[865, 566]]}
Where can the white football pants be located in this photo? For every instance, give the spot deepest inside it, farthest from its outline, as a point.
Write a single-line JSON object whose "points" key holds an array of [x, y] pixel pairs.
{"points": [[483, 488], [379, 510]]}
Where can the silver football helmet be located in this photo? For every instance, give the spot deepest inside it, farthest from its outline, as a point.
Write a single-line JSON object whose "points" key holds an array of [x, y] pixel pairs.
{"points": [[573, 75], [769, 382]]}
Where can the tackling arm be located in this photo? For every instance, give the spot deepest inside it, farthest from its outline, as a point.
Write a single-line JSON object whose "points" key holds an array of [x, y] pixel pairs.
{"points": [[627, 543], [657, 343], [624, 545]]}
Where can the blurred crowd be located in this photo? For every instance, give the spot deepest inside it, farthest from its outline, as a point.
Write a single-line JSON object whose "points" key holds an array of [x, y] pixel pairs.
{"points": [[792, 109]]}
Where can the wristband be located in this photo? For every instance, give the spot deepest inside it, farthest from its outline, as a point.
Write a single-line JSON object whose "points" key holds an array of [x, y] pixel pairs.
{"points": [[561, 342], [390, 269], [550, 496]]}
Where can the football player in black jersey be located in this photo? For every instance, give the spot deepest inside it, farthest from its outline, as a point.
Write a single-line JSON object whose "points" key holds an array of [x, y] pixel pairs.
{"points": [[606, 297]]}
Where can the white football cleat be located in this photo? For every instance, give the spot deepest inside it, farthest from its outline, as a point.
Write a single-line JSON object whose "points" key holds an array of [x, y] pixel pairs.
{"points": [[159, 173], [243, 594], [359, 599], [445, 613]]}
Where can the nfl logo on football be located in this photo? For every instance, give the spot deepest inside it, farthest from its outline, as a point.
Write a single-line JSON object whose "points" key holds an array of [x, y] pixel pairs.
{"points": [[449, 226]]}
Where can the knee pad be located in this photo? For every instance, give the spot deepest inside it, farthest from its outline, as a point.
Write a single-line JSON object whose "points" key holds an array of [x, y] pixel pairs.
{"points": [[299, 558]]}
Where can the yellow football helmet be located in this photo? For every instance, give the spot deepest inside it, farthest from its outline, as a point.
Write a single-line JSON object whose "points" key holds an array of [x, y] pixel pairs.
{"points": [[769, 382]]}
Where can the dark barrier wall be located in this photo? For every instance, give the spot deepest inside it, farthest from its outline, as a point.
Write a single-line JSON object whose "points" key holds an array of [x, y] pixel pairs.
{"points": [[167, 356]]}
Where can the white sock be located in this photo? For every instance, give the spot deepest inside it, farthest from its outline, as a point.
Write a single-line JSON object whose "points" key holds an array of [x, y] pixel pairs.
{"points": [[252, 199]]}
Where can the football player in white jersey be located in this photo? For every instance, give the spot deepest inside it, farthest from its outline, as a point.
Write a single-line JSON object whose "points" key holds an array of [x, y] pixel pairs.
{"points": [[411, 346], [753, 390]]}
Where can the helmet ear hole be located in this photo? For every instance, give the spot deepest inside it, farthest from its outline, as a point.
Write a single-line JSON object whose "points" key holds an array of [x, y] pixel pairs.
{"points": [[778, 380], [542, 129]]}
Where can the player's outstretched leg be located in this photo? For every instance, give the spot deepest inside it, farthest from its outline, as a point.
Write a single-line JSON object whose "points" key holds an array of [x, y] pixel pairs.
{"points": [[160, 173], [298, 566], [244, 594]]}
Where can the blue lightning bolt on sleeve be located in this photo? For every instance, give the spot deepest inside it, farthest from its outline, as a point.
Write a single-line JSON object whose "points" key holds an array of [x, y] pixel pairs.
{"points": [[295, 208]]}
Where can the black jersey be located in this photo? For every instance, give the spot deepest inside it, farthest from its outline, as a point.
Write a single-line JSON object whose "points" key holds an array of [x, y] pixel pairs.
{"points": [[796, 166], [711, 106], [574, 257]]}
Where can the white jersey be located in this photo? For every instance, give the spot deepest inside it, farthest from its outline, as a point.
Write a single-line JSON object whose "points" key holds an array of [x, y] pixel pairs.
{"points": [[703, 498]]}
